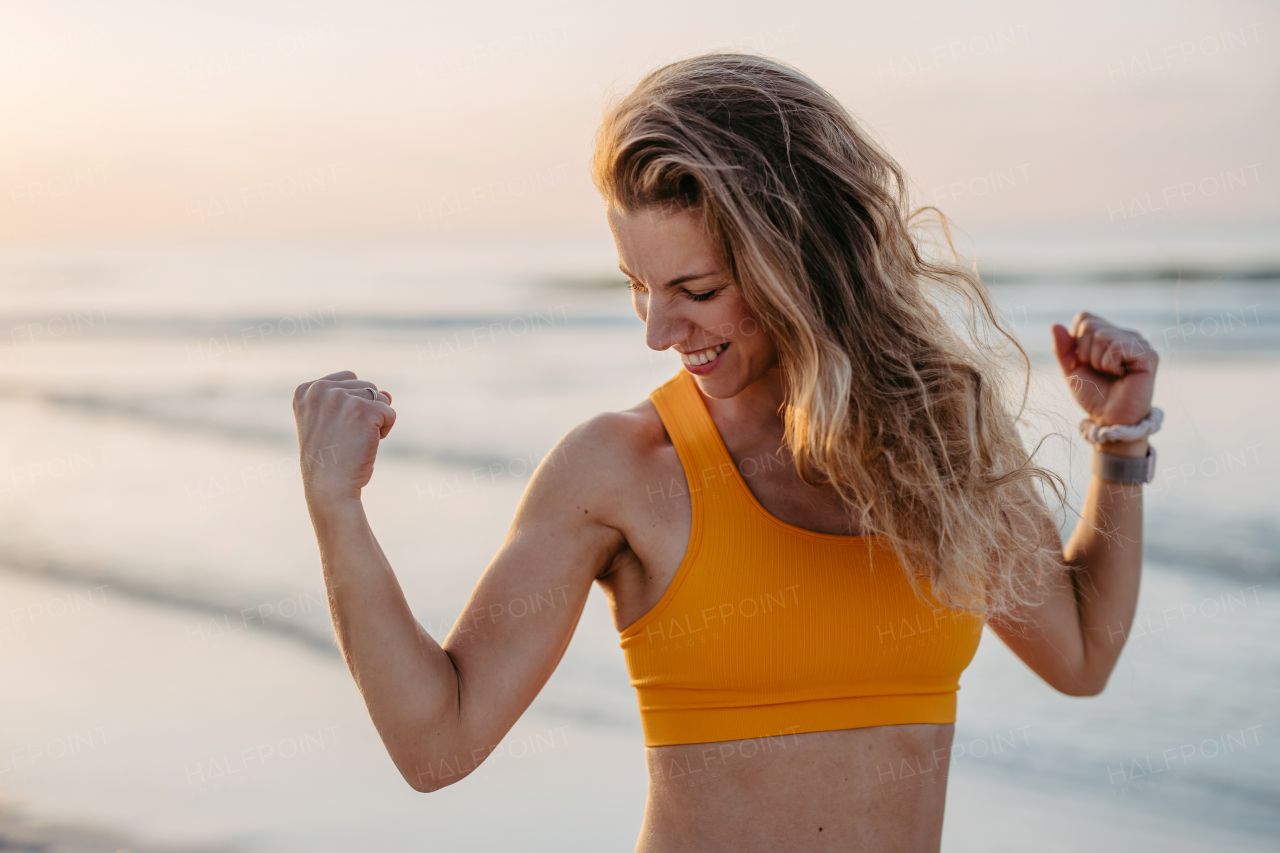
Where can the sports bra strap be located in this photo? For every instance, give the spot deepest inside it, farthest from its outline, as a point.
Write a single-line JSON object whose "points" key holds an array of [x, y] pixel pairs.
{"points": [[708, 468]]}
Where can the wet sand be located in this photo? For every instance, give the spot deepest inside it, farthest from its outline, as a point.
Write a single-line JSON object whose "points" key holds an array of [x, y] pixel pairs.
{"points": [[23, 835]]}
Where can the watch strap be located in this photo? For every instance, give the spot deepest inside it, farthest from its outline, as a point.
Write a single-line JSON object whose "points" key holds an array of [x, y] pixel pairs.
{"points": [[1125, 469]]}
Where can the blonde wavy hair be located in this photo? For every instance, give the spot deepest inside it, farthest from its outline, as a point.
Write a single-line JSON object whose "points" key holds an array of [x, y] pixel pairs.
{"points": [[895, 357]]}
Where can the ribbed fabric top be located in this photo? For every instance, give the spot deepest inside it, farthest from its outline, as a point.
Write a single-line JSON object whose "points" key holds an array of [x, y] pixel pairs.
{"points": [[770, 629]]}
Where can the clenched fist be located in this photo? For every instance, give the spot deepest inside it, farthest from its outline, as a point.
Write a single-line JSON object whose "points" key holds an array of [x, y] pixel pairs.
{"points": [[1111, 371], [340, 419]]}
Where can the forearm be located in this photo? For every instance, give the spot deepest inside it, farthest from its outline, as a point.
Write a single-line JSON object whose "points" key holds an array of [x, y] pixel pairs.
{"points": [[1105, 553], [408, 681]]}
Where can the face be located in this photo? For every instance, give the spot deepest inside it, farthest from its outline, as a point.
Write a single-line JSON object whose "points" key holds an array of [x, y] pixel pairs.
{"points": [[687, 301]]}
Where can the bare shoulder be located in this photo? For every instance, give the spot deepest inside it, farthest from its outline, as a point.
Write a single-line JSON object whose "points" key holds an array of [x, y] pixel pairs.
{"points": [[600, 450], [601, 461], [635, 430]]}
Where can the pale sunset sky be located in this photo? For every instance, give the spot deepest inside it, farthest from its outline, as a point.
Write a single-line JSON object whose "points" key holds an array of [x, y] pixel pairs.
{"points": [[164, 122]]}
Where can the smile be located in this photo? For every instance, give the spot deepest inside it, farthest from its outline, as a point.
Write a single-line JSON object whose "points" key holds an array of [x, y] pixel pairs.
{"points": [[703, 356]]}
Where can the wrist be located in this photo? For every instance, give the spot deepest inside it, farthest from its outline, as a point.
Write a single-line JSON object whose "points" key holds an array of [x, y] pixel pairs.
{"points": [[1136, 449], [327, 510], [1122, 439], [1124, 468]]}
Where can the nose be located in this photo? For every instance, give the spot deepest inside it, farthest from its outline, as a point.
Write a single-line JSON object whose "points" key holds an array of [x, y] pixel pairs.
{"points": [[663, 325]]}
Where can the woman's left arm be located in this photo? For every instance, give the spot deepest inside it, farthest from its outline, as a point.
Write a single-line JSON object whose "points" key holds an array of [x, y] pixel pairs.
{"points": [[1073, 639]]}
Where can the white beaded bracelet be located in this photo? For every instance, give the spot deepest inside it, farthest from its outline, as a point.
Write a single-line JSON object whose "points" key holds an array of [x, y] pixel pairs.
{"points": [[1096, 433]]}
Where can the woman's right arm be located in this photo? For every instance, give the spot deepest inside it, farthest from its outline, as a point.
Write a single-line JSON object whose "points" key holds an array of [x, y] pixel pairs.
{"points": [[441, 709]]}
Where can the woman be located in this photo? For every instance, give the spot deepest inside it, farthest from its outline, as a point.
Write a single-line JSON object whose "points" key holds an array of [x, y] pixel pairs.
{"points": [[802, 534]]}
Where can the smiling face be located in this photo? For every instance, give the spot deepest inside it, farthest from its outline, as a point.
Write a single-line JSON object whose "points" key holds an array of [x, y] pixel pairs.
{"points": [[688, 302]]}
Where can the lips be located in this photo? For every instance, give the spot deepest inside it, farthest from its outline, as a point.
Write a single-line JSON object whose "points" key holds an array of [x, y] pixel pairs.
{"points": [[702, 362], [703, 356]]}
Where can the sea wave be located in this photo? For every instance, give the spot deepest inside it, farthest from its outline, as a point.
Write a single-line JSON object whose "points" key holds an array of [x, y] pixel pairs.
{"points": [[161, 413], [234, 610]]}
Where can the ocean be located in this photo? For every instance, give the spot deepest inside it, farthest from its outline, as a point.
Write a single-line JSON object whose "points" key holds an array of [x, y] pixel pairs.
{"points": [[165, 643]]}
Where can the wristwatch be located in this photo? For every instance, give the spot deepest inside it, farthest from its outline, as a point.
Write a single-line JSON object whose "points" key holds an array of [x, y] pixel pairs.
{"points": [[1125, 469]]}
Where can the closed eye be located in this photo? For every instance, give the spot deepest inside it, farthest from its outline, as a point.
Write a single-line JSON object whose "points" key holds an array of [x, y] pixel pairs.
{"points": [[702, 297]]}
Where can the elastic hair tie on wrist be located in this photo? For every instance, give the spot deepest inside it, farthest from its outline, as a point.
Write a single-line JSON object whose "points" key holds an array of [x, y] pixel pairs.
{"points": [[1096, 433]]}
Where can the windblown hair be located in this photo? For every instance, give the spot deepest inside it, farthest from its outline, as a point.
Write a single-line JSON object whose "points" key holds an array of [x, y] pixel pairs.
{"points": [[903, 404]]}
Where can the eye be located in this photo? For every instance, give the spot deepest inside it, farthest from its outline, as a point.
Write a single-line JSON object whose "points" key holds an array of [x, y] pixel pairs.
{"points": [[635, 286], [702, 297]]}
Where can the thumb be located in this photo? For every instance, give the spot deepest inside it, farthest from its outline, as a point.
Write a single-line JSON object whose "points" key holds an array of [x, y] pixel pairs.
{"points": [[1064, 347], [388, 421]]}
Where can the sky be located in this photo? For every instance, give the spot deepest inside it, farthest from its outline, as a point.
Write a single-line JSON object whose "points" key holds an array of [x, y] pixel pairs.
{"points": [[165, 122]]}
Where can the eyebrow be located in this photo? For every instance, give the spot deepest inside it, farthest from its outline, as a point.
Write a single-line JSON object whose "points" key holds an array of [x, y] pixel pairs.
{"points": [[684, 279]]}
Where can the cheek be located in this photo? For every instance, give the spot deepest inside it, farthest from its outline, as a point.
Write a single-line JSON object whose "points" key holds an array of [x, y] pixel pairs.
{"points": [[738, 325], [746, 332], [640, 302]]}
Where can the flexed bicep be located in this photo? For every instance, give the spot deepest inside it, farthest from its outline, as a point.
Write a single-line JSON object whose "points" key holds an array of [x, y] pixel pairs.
{"points": [[522, 614]]}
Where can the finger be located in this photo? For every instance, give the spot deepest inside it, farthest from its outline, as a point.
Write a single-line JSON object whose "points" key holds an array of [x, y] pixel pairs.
{"points": [[347, 380], [362, 392], [357, 387], [388, 421], [1084, 342], [348, 383], [1098, 346], [1079, 321], [1127, 353], [1112, 359], [1064, 347], [322, 384], [1137, 354]]}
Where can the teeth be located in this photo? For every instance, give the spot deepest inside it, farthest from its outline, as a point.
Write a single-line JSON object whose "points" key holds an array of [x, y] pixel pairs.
{"points": [[703, 356]]}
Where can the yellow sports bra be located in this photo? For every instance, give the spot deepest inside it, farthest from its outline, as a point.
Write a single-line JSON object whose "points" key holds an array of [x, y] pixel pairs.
{"points": [[769, 629]]}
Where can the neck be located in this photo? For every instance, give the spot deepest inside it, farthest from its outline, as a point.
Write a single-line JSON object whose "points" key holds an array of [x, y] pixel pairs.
{"points": [[759, 404]]}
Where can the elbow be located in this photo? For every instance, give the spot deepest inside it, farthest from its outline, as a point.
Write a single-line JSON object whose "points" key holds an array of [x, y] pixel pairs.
{"points": [[425, 781], [421, 782], [429, 773], [1082, 685], [1081, 691]]}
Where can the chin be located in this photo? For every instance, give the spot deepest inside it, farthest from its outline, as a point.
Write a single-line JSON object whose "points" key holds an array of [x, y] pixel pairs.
{"points": [[721, 383], [715, 389]]}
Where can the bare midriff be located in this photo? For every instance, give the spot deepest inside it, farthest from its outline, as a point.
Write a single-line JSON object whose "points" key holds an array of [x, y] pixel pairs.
{"points": [[881, 788]]}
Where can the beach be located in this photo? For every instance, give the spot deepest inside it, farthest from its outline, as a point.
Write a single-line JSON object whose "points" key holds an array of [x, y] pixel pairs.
{"points": [[172, 681]]}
